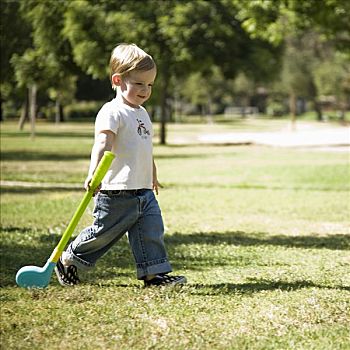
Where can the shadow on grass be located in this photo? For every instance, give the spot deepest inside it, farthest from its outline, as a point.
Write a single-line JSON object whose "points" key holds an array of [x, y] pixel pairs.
{"points": [[28, 156], [183, 156], [36, 155], [21, 246], [257, 286], [238, 238], [250, 186], [53, 134], [38, 189], [36, 250], [35, 188]]}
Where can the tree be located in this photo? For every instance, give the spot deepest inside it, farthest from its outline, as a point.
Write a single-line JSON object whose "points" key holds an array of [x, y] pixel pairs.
{"points": [[183, 36], [271, 20], [332, 78], [206, 92], [299, 63], [29, 72], [14, 39], [93, 29], [58, 73], [306, 28]]}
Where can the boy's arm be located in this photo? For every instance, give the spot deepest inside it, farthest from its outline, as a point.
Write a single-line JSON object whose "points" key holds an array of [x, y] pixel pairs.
{"points": [[103, 142], [156, 184]]}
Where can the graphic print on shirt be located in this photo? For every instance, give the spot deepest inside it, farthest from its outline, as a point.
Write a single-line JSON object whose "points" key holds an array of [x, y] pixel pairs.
{"points": [[141, 129]]}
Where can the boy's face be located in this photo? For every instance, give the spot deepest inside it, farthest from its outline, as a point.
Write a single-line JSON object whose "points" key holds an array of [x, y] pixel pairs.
{"points": [[136, 87]]}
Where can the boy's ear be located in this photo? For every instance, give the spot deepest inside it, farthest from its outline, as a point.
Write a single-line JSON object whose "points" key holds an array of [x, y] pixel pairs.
{"points": [[116, 79]]}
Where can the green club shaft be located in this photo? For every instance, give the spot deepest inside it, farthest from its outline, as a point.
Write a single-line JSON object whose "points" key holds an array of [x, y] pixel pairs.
{"points": [[99, 174]]}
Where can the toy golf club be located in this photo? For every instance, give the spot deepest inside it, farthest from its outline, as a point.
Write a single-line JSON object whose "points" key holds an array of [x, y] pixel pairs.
{"points": [[34, 276]]}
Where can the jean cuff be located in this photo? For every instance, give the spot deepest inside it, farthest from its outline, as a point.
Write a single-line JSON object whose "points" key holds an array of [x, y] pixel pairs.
{"points": [[73, 259], [152, 268]]}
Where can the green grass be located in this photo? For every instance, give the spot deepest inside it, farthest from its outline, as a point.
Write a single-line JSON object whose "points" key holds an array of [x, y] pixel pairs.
{"points": [[262, 235]]}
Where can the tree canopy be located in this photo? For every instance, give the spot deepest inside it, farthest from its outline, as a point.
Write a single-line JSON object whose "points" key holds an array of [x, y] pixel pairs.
{"points": [[54, 43]]}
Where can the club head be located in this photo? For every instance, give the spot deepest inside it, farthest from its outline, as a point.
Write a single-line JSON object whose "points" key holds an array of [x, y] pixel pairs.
{"points": [[35, 276]]}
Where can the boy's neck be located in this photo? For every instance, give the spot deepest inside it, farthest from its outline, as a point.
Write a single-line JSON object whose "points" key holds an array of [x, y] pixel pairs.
{"points": [[121, 99]]}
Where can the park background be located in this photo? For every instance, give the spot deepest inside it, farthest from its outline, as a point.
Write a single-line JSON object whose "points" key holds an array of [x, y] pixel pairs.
{"points": [[251, 113]]}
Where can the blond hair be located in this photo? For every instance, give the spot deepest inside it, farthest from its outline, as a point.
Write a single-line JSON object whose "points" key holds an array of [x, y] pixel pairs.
{"points": [[128, 57]]}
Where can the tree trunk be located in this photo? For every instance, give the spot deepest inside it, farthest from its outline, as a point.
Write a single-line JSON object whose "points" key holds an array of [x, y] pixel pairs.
{"points": [[33, 108], [293, 109], [164, 108], [61, 113], [25, 111], [1, 116], [318, 110], [209, 113], [317, 106], [59, 116], [342, 113]]}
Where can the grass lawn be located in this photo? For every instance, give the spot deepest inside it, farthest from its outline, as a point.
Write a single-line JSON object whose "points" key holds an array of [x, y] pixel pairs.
{"points": [[262, 235]]}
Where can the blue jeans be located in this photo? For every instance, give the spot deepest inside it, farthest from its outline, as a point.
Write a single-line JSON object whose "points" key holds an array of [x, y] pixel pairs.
{"points": [[114, 215]]}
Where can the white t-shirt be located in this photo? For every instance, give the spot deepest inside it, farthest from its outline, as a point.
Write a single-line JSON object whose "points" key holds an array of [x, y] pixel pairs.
{"points": [[132, 167]]}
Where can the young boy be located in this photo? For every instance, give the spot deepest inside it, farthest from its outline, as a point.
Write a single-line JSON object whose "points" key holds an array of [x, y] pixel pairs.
{"points": [[125, 201]]}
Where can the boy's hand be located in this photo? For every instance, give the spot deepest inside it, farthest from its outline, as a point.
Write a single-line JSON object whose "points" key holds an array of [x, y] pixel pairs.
{"points": [[87, 185], [103, 142], [156, 186]]}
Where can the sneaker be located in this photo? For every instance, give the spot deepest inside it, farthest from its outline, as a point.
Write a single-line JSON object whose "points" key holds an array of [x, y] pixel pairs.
{"points": [[165, 280], [67, 275]]}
